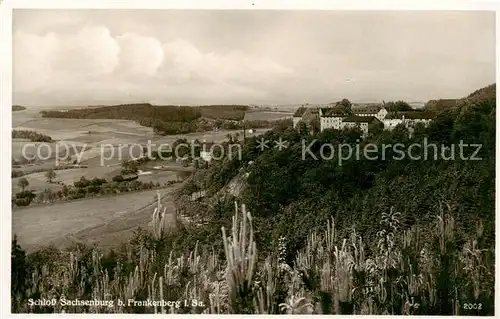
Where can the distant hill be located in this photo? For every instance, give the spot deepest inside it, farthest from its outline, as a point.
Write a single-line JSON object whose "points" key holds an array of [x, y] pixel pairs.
{"points": [[485, 93], [18, 108], [168, 119]]}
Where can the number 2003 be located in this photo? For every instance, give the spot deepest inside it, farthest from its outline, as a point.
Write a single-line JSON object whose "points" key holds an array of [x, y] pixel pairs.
{"points": [[473, 306]]}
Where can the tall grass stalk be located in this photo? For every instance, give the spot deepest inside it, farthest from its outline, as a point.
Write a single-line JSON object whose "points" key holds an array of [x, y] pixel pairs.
{"points": [[401, 272]]}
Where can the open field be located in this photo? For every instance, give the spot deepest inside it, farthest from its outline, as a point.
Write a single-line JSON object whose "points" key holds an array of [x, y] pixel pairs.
{"points": [[23, 148], [108, 220], [214, 136], [68, 129], [38, 181], [267, 115], [104, 220], [158, 176], [98, 136]]}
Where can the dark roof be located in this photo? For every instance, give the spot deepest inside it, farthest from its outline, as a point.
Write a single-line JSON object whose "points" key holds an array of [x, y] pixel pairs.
{"points": [[360, 119], [333, 112], [130, 177], [300, 111], [370, 109], [413, 115]]}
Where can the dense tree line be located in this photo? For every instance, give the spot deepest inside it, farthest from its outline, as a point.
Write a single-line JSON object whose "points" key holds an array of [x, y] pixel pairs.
{"points": [[81, 188], [32, 136], [15, 174], [398, 106], [169, 119], [226, 112], [18, 108], [433, 219], [476, 96]]}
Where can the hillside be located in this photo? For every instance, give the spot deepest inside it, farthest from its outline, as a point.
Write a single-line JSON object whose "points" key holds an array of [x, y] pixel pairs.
{"points": [[282, 186], [482, 94]]}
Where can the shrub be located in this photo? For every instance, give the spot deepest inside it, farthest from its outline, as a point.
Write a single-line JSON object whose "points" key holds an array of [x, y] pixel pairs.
{"points": [[118, 178], [15, 174], [82, 183]]}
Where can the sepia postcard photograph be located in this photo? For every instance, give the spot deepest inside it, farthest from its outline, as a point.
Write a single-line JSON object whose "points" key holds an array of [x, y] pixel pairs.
{"points": [[251, 161]]}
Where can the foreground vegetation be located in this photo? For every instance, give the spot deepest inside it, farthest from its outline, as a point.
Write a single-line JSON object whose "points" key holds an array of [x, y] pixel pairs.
{"points": [[381, 236], [407, 273]]}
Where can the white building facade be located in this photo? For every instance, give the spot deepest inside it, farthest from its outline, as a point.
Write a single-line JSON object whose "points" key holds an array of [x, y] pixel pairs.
{"points": [[206, 156], [374, 110], [331, 118]]}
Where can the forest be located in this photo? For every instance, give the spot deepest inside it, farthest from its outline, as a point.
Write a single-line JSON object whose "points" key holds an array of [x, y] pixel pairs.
{"points": [[18, 108], [169, 119]]}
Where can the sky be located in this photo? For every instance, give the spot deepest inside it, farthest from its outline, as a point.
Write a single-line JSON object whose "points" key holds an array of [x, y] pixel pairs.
{"points": [[192, 57]]}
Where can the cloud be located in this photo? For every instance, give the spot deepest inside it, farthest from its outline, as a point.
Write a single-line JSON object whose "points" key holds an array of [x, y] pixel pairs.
{"points": [[139, 54], [180, 56], [92, 52], [95, 64], [33, 59]]}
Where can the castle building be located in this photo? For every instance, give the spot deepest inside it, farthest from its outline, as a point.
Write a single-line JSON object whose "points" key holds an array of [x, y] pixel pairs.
{"points": [[334, 117], [362, 122], [408, 118], [308, 115], [371, 110], [297, 116], [331, 118]]}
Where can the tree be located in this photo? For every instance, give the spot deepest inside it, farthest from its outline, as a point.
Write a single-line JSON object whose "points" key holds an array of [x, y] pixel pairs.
{"points": [[180, 148], [50, 175], [118, 178], [345, 105], [129, 167], [302, 128], [23, 183], [19, 270], [186, 161], [47, 195], [375, 128], [398, 106], [97, 181], [315, 125], [82, 183], [65, 190]]}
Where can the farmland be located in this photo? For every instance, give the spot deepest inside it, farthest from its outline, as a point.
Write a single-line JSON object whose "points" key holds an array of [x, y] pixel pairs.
{"points": [[99, 146], [103, 135], [38, 180]]}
